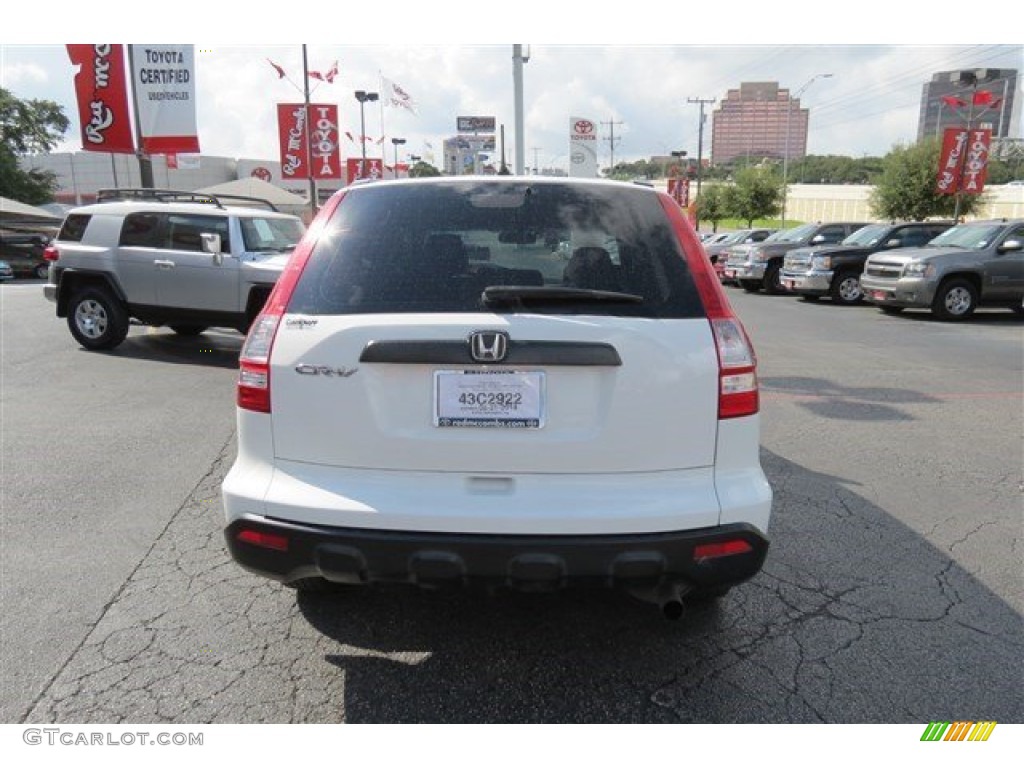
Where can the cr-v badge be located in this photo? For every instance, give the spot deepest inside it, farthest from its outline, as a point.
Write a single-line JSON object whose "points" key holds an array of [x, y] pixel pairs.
{"points": [[324, 370]]}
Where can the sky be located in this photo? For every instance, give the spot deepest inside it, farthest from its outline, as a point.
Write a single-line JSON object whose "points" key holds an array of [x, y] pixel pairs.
{"points": [[641, 87]]}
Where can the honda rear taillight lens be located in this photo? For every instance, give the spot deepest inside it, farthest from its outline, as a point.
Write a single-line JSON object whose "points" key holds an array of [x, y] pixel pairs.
{"points": [[737, 395], [254, 365], [264, 540]]}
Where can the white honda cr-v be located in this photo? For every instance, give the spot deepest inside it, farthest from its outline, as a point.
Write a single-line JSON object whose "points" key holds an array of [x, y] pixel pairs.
{"points": [[501, 381]]}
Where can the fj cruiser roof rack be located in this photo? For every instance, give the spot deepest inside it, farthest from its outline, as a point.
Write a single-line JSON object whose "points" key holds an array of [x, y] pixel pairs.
{"points": [[175, 196]]}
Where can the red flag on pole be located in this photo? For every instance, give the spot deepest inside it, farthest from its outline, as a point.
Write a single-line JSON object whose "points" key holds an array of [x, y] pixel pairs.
{"points": [[280, 71]]}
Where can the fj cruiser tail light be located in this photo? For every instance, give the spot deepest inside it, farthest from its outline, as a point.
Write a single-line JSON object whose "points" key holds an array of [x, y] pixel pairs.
{"points": [[50, 253]]}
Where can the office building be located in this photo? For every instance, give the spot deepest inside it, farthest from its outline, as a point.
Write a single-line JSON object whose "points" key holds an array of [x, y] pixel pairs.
{"points": [[758, 121]]}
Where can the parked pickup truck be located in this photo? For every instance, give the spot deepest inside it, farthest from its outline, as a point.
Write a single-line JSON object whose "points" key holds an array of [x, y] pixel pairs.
{"points": [[759, 265], [834, 270], [980, 263]]}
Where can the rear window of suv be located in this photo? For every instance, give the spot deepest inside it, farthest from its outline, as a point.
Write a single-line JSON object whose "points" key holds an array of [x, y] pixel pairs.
{"points": [[435, 247], [73, 228]]}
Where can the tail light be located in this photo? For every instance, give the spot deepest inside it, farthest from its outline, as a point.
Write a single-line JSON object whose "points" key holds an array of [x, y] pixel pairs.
{"points": [[737, 364], [50, 253], [253, 392]]}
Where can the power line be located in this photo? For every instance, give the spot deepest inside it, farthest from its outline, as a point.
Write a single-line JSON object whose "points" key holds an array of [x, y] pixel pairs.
{"points": [[611, 140]]}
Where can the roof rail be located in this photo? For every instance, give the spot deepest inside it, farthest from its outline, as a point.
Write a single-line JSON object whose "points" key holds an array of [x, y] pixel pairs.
{"points": [[175, 196]]}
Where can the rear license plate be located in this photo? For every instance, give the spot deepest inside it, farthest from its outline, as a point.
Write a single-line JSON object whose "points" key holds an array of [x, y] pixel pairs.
{"points": [[503, 399], [879, 295]]}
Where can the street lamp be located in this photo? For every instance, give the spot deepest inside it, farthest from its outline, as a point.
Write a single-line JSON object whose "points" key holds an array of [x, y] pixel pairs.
{"points": [[397, 143], [785, 153], [362, 97]]}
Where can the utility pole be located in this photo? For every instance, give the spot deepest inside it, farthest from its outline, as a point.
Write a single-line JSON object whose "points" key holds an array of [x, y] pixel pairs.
{"points": [[611, 142], [700, 151]]}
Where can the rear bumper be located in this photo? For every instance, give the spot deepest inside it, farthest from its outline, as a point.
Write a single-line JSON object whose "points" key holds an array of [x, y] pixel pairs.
{"points": [[287, 551]]}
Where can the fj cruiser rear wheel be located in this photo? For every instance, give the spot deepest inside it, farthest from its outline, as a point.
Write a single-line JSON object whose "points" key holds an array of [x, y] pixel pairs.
{"points": [[96, 319], [42, 271], [956, 299]]}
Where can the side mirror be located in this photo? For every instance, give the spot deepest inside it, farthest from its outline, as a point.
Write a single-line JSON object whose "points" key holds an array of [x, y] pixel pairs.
{"points": [[1011, 245], [211, 244], [817, 239]]}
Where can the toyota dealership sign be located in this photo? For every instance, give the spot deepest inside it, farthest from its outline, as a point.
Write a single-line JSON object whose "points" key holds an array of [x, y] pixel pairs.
{"points": [[582, 147]]}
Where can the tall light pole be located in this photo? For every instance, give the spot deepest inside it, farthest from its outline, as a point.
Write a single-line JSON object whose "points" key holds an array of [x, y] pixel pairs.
{"points": [[518, 59], [785, 152], [362, 97], [397, 142]]}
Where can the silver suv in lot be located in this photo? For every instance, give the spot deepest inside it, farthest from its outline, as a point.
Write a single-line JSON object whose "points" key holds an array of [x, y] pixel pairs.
{"points": [[161, 257], [432, 395], [971, 265]]}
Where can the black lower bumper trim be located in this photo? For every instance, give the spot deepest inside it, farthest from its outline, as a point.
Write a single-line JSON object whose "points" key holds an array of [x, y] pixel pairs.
{"points": [[542, 562]]}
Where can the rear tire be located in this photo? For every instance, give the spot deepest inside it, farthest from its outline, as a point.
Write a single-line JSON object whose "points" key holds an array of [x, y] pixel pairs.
{"points": [[96, 319], [956, 299], [42, 271]]}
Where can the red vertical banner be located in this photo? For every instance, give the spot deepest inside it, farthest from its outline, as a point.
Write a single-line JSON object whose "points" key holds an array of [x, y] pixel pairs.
{"points": [[374, 169], [102, 92], [679, 190], [326, 161], [291, 128], [972, 180], [954, 142]]}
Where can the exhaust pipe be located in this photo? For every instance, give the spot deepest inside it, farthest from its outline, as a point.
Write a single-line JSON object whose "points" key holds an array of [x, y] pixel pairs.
{"points": [[671, 600], [669, 597]]}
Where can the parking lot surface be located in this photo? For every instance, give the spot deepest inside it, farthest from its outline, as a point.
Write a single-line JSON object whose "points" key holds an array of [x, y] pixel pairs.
{"points": [[892, 591]]}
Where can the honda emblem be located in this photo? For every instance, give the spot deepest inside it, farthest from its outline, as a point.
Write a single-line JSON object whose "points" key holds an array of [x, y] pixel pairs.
{"points": [[488, 346]]}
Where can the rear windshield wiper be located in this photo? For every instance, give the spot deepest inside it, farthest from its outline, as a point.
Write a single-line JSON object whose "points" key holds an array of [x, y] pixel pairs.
{"points": [[518, 295]]}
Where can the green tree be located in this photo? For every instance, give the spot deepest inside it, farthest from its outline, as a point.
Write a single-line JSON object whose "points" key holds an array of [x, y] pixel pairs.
{"points": [[423, 169], [28, 127], [905, 190], [712, 205], [756, 194]]}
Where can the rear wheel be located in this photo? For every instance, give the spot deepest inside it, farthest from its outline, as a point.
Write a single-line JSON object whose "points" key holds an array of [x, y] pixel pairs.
{"points": [[42, 271], [96, 319], [846, 289], [188, 330], [956, 299]]}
